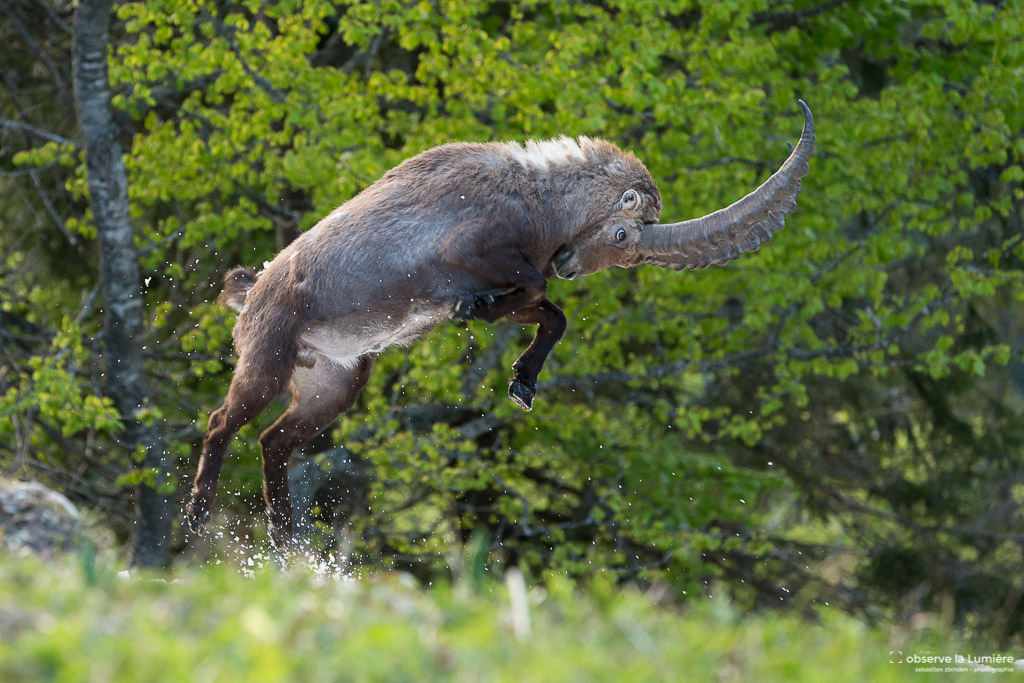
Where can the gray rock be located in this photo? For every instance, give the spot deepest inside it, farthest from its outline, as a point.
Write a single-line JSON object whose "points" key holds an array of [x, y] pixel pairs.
{"points": [[37, 520]]}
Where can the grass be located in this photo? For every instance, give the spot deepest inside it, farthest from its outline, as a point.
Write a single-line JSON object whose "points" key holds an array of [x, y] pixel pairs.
{"points": [[72, 620]]}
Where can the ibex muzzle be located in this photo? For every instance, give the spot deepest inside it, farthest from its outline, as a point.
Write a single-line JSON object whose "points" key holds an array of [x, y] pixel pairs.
{"points": [[465, 231]]}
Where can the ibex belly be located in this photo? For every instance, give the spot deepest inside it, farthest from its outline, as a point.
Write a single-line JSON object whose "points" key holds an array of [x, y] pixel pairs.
{"points": [[344, 340]]}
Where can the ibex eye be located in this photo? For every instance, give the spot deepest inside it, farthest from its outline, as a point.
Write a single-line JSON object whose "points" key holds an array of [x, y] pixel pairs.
{"points": [[620, 235]]}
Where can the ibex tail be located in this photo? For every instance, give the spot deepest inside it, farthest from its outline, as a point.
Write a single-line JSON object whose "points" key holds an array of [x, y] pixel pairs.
{"points": [[237, 284]]}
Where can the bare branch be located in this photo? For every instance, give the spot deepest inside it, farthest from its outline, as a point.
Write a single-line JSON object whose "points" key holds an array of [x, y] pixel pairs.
{"points": [[52, 212], [54, 17], [39, 132], [26, 35]]}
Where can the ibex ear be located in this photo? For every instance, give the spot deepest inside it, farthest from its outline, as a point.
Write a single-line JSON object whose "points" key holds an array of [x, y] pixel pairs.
{"points": [[630, 202]]}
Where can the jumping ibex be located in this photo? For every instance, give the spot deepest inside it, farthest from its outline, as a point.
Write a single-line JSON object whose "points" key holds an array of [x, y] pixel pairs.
{"points": [[464, 231]]}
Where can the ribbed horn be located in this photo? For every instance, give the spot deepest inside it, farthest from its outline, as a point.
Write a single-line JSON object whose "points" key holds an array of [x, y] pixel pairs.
{"points": [[743, 226]]}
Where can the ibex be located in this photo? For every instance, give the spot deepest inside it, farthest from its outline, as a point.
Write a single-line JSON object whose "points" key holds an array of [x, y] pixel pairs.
{"points": [[462, 231]]}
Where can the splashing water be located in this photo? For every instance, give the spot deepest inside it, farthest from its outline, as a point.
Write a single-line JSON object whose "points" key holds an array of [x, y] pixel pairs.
{"points": [[251, 555]]}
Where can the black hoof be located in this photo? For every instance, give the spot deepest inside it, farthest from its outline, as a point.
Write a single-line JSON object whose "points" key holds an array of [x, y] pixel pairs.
{"points": [[468, 305], [472, 306], [521, 394], [281, 543], [196, 516], [463, 308], [281, 537]]}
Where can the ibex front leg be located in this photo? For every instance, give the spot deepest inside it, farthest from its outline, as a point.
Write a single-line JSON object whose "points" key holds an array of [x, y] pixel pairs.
{"points": [[523, 385], [517, 291]]}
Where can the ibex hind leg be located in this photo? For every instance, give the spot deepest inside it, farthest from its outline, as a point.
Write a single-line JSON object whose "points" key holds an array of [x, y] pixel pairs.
{"points": [[253, 386], [318, 396]]}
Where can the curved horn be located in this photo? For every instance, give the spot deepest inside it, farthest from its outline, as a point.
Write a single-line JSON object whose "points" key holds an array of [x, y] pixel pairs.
{"points": [[723, 235]]}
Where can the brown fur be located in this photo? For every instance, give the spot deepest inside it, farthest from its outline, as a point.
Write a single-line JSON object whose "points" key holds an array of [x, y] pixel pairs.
{"points": [[465, 231]]}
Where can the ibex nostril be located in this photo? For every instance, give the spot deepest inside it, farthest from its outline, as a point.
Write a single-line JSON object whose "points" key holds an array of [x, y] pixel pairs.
{"points": [[561, 257]]}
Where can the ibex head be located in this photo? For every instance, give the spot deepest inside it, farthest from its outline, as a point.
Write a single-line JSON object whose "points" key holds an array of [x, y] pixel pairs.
{"points": [[628, 234], [614, 238]]}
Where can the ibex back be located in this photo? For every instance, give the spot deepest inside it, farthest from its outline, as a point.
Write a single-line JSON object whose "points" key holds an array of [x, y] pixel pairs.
{"points": [[464, 231]]}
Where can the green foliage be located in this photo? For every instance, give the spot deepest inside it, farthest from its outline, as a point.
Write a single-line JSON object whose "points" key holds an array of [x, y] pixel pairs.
{"points": [[56, 394], [823, 415], [71, 623]]}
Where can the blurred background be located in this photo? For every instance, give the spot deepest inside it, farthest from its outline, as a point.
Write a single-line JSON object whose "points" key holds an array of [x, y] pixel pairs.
{"points": [[837, 418]]}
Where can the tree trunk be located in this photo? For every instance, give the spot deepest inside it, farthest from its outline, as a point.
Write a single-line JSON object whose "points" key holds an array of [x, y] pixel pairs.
{"points": [[119, 275]]}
